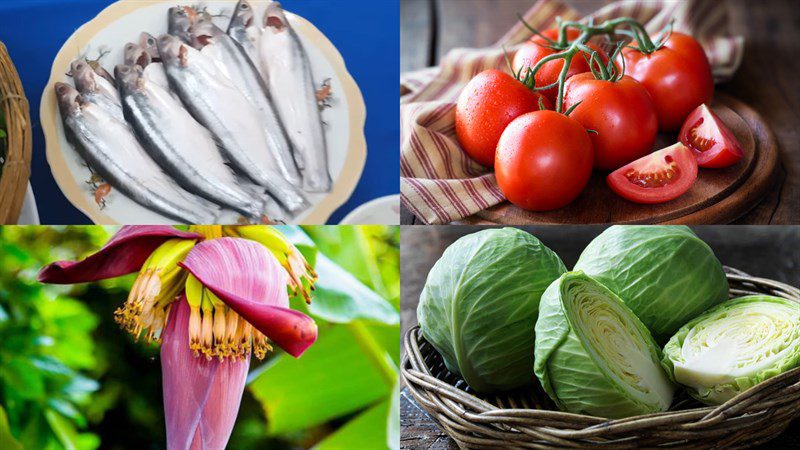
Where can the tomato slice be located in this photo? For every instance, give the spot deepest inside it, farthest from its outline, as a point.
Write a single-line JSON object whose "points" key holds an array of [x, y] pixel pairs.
{"points": [[712, 143], [656, 178]]}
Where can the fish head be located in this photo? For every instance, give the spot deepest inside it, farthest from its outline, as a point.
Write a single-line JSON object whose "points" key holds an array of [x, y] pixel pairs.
{"points": [[180, 19], [203, 33], [83, 75], [129, 78], [242, 15], [173, 52], [135, 55], [69, 99], [274, 18], [148, 43]]}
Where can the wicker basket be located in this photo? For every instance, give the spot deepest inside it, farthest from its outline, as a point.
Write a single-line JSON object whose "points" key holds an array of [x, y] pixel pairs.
{"points": [[17, 168], [527, 418]]}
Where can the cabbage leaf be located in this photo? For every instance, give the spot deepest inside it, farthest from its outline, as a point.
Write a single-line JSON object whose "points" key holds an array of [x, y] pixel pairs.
{"points": [[480, 302], [665, 274]]}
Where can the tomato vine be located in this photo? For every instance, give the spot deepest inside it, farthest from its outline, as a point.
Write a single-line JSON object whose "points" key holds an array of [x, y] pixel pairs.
{"points": [[568, 50]]}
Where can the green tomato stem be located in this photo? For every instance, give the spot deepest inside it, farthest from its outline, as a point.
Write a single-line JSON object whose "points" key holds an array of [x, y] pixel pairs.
{"points": [[569, 51]]}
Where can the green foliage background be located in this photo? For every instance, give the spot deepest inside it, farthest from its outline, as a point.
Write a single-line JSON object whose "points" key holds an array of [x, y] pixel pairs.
{"points": [[70, 378]]}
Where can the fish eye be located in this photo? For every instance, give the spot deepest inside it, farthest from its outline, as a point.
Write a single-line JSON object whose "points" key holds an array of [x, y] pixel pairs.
{"points": [[244, 6], [150, 41]]}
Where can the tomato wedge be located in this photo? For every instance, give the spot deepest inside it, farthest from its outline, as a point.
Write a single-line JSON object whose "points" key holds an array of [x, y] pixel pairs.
{"points": [[656, 178], [713, 144]]}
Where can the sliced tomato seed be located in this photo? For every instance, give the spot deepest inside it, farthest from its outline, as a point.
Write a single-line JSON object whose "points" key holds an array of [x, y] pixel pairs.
{"points": [[697, 141], [654, 180]]}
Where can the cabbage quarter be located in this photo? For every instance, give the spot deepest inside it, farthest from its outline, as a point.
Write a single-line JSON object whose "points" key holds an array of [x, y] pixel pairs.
{"points": [[593, 356], [735, 346], [480, 302]]}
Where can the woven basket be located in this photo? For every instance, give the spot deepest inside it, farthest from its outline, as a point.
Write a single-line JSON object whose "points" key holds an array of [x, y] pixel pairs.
{"points": [[527, 418], [17, 168]]}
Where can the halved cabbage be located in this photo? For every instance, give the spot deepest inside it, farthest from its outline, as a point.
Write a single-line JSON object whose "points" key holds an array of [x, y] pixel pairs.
{"points": [[665, 274], [735, 346], [480, 303], [593, 355]]}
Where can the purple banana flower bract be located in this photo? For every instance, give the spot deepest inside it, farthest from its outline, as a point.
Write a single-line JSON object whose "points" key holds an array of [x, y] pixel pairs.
{"points": [[226, 266], [225, 396], [123, 254], [201, 396]]}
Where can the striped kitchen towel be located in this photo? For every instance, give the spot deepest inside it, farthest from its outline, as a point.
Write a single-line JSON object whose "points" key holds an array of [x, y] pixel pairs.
{"points": [[438, 182]]}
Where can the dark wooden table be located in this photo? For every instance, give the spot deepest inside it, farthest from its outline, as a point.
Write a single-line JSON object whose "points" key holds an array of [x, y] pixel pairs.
{"points": [[768, 251], [766, 80]]}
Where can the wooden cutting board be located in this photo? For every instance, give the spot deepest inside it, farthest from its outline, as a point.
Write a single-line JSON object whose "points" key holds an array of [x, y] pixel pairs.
{"points": [[718, 195]]}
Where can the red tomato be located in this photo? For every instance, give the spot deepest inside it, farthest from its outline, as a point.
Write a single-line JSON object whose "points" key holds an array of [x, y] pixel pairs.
{"points": [[656, 178], [488, 103], [622, 114], [544, 160], [537, 48], [713, 144], [677, 76]]}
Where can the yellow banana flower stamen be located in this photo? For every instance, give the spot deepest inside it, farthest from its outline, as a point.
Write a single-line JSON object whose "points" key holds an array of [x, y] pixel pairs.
{"points": [[159, 282], [260, 345], [207, 336], [215, 330], [245, 338], [232, 324], [194, 297]]}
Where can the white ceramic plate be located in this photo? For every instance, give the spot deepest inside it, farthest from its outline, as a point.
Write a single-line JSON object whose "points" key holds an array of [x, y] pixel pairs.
{"points": [[381, 211], [122, 22]]}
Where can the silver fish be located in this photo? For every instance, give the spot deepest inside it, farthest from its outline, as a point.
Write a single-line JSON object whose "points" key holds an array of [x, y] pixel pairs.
{"points": [[222, 108], [234, 62], [153, 70], [244, 30], [181, 146], [135, 55], [288, 72], [95, 88], [179, 19], [110, 148], [98, 69], [148, 43]]}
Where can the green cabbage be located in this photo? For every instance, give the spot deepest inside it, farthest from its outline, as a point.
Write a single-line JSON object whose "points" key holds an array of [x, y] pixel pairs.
{"points": [[593, 356], [735, 346], [665, 274], [480, 304]]}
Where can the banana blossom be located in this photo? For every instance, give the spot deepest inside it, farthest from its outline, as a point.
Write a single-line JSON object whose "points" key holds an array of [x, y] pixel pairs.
{"points": [[212, 296]]}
